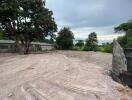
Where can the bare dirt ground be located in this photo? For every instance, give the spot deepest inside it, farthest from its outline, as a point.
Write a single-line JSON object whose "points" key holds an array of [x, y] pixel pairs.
{"points": [[61, 75]]}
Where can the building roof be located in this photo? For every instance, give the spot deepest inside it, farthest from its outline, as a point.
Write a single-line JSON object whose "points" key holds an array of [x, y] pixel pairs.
{"points": [[42, 43], [6, 41], [37, 43]]}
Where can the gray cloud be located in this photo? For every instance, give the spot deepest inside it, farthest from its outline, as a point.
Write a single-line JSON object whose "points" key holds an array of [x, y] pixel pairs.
{"points": [[91, 13], [80, 14]]}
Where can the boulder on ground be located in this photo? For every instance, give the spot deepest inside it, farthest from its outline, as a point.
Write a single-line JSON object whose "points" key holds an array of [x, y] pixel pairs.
{"points": [[119, 63]]}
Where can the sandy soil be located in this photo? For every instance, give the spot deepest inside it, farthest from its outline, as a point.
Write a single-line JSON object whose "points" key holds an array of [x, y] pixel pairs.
{"points": [[61, 75]]}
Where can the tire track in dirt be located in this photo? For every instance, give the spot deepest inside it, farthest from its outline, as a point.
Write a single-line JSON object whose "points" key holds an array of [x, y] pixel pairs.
{"points": [[56, 76]]}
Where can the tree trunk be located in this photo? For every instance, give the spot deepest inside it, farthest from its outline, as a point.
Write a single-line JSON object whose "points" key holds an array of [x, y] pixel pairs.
{"points": [[26, 48]]}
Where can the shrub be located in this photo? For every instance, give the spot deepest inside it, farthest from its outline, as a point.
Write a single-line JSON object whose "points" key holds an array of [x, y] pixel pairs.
{"points": [[85, 48], [105, 48], [100, 48], [108, 49], [122, 41]]}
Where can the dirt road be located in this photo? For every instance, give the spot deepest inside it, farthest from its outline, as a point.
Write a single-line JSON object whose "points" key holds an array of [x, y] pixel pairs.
{"points": [[62, 75]]}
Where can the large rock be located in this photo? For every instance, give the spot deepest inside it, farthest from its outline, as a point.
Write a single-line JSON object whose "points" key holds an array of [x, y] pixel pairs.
{"points": [[119, 61]]}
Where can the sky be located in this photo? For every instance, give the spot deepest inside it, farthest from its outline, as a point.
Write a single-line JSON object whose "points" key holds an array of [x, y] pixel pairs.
{"points": [[86, 16]]}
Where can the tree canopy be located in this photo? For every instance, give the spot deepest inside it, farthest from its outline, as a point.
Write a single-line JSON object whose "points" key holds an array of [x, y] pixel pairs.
{"points": [[65, 39], [126, 40], [124, 27], [92, 41], [26, 20]]}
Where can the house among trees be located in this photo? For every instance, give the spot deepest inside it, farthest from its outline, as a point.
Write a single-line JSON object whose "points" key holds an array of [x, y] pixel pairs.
{"points": [[11, 46]]}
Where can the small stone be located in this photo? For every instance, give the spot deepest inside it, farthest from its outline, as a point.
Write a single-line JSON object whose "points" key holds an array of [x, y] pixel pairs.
{"points": [[10, 95]]}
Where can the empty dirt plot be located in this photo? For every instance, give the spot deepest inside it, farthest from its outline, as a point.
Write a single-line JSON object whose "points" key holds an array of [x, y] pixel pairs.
{"points": [[61, 75]]}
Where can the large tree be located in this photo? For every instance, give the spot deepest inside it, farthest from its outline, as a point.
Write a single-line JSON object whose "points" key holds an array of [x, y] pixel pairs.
{"points": [[26, 20], [92, 41], [126, 40], [65, 39], [125, 27]]}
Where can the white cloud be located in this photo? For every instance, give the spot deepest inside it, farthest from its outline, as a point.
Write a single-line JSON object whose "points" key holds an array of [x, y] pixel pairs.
{"points": [[105, 34], [109, 37]]}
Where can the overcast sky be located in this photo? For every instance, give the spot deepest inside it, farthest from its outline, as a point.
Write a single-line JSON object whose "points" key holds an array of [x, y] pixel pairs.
{"points": [[85, 16]]}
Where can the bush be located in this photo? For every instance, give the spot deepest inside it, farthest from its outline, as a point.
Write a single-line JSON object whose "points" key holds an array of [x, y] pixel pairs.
{"points": [[122, 41], [105, 48], [108, 49], [85, 48], [125, 41], [100, 48]]}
